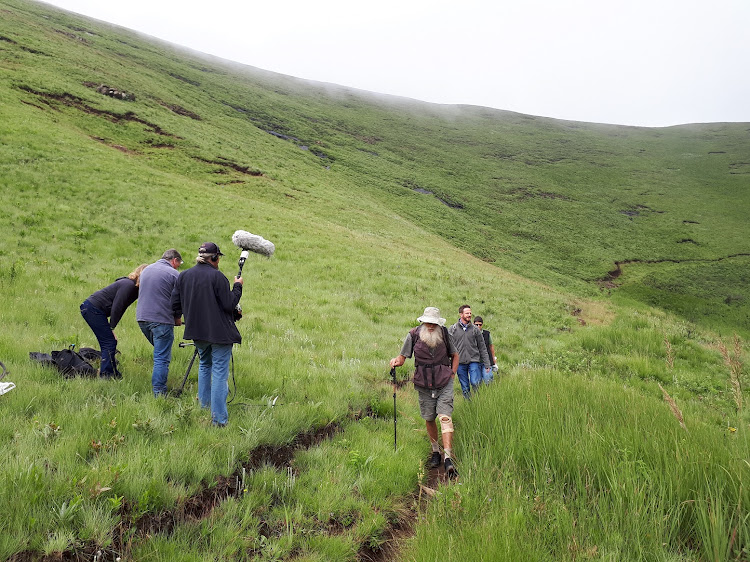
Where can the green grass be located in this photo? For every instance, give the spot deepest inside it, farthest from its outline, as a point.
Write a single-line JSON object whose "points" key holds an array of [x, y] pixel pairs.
{"points": [[573, 440], [567, 468]]}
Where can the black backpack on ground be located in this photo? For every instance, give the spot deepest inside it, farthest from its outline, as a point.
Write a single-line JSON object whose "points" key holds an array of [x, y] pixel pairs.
{"points": [[69, 362]]}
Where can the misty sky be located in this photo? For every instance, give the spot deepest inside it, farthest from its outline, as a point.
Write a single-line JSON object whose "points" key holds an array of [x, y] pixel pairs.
{"points": [[639, 62]]}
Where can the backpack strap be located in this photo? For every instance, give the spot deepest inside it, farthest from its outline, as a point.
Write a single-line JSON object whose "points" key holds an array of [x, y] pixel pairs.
{"points": [[415, 339]]}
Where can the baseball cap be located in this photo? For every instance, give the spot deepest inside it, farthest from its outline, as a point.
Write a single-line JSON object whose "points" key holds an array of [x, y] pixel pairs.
{"points": [[209, 248]]}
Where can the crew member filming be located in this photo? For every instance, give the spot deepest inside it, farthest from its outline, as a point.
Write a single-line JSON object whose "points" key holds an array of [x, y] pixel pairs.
{"points": [[203, 296]]}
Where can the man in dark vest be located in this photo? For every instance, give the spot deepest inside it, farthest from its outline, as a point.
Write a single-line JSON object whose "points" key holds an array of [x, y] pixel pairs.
{"points": [[479, 322], [435, 361]]}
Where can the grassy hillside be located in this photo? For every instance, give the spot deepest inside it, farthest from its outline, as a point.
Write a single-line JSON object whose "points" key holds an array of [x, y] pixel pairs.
{"points": [[378, 207], [561, 202]]}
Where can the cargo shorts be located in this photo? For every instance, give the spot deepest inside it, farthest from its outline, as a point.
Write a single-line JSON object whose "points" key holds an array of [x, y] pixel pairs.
{"points": [[436, 401]]}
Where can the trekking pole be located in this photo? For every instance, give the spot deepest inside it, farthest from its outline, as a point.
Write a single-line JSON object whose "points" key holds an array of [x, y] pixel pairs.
{"points": [[395, 432]]}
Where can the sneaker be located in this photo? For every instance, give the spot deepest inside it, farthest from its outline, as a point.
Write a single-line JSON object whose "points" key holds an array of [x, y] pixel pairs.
{"points": [[434, 461], [450, 470]]}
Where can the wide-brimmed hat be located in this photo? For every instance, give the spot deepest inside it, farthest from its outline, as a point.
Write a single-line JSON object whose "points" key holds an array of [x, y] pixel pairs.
{"points": [[431, 316]]}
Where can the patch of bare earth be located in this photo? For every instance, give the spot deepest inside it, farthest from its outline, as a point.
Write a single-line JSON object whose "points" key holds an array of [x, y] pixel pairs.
{"points": [[51, 99], [133, 528]]}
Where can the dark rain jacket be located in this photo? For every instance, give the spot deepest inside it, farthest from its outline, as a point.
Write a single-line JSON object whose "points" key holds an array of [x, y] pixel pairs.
{"points": [[202, 295]]}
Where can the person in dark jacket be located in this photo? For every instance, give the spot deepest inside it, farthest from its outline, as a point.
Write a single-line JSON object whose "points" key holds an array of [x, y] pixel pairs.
{"points": [[436, 362], [203, 296], [103, 310], [479, 322]]}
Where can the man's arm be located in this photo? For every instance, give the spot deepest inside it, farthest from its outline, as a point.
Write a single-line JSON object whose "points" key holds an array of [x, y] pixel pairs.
{"points": [[227, 299], [125, 296], [406, 351], [176, 302]]}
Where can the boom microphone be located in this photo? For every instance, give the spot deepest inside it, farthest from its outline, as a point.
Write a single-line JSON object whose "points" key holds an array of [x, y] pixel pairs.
{"points": [[248, 242]]}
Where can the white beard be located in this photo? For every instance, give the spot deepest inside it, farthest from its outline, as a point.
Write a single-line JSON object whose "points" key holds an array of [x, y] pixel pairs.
{"points": [[432, 339]]}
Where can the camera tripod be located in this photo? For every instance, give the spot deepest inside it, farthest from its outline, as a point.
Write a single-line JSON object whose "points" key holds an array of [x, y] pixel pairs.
{"points": [[178, 391]]}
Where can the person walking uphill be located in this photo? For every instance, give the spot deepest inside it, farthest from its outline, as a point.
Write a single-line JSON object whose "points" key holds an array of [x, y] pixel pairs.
{"points": [[479, 322], [154, 314], [103, 310], [470, 346], [203, 295], [435, 362]]}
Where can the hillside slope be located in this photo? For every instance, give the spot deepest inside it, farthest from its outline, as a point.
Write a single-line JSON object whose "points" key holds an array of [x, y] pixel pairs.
{"points": [[567, 203], [378, 207]]}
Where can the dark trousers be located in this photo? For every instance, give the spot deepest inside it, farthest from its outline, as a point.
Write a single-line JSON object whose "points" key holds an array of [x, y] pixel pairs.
{"points": [[99, 324]]}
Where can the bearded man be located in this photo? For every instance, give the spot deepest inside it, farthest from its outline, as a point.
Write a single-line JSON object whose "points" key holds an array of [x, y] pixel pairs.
{"points": [[435, 362], [470, 345]]}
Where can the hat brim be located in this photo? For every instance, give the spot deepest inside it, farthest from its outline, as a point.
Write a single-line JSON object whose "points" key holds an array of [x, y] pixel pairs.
{"points": [[431, 320]]}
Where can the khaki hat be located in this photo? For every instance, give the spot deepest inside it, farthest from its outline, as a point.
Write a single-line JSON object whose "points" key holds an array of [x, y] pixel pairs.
{"points": [[431, 316]]}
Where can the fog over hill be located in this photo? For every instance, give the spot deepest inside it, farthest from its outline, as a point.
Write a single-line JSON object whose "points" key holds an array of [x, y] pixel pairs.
{"points": [[644, 63]]}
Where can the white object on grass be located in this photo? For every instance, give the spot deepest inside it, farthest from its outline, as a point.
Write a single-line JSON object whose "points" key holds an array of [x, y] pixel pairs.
{"points": [[6, 387]]}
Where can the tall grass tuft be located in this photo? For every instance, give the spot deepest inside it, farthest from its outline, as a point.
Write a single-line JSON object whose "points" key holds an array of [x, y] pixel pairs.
{"points": [[581, 468], [673, 406], [734, 362], [670, 352]]}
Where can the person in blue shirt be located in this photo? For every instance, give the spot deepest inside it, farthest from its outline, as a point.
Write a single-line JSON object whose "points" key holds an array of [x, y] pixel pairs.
{"points": [[154, 314]]}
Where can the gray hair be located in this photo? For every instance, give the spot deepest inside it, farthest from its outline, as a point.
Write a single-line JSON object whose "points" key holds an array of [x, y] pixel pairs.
{"points": [[171, 254]]}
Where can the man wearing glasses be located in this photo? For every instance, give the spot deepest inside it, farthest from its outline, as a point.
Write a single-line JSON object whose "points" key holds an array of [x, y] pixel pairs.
{"points": [[154, 314], [471, 350]]}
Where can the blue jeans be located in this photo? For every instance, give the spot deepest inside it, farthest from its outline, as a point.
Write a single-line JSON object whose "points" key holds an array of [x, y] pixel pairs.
{"points": [[161, 337], [469, 373], [213, 373], [488, 375], [97, 321]]}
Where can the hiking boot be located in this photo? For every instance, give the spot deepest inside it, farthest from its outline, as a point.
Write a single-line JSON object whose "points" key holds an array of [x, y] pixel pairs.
{"points": [[434, 461], [450, 471]]}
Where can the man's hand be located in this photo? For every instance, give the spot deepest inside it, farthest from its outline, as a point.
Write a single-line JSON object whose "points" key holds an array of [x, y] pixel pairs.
{"points": [[239, 280], [178, 321], [397, 361]]}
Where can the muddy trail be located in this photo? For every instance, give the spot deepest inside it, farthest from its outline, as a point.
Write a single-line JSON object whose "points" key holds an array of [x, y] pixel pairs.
{"points": [[609, 279], [404, 528], [134, 528]]}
